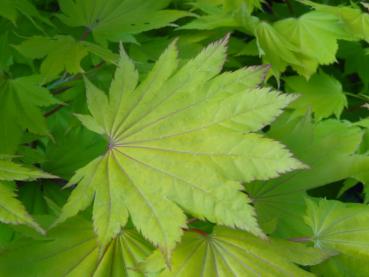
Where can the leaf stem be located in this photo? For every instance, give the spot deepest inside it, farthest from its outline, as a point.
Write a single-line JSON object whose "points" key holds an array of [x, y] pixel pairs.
{"points": [[300, 239], [196, 230]]}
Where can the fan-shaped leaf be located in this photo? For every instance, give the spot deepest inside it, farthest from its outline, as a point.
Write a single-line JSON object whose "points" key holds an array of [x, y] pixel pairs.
{"points": [[176, 139]]}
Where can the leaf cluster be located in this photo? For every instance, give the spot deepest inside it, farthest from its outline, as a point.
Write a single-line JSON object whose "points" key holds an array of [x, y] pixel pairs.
{"points": [[184, 138]]}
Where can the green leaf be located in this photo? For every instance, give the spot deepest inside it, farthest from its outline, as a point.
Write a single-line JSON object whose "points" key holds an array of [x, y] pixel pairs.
{"points": [[275, 49], [339, 226], [62, 53], [11, 210], [343, 265], [156, 136], [74, 245], [11, 171], [356, 21], [282, 199], [6, 58], [356, 60], [20, 101], [315, 34], [228, 252], [216, 17], [112, 19], [11, 9], [322, 94], [71, 150]]}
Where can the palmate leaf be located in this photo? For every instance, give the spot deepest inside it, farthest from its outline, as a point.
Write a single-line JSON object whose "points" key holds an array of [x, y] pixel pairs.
{"points": [[10, 171], [115, 19], [303, 43], [228, 252], [20, 102], [74, 246], [315, 34], [11, 9], [355, 21], [280, 202], [174, 140], [321, 94], [339, 226], [274, 48], [61, 53], [11, 210]]}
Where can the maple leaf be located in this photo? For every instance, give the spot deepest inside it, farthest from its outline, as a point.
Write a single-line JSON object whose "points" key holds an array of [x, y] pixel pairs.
{"points": [[339, 226], [12, 210], [175, 140], [280, 202], [61, 53], [74, 245], [274, 48], [227, 252], [322, 94], [115, 19], [355, 21], [315, 34], [20, 102]]}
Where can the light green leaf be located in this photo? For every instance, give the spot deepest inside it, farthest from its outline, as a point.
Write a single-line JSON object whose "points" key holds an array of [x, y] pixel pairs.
{"points": [[322, 95], [11, 210], [188, 131], [356, 21], [228, 252], [11, 171], [74, 245], [315, 34], [339, 226], [275, 49]]}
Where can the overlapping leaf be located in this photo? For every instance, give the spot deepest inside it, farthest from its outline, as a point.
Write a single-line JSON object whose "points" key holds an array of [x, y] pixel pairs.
{"points": [[72, 250], [228, 252], [61, 53], [339, 226], [11, 209], [20, 102], [115, 19], [322, 95], [356, 21], [174, 141], [280, 202]]}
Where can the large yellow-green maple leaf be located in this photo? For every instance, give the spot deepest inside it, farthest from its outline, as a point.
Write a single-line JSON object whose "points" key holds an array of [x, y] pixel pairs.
{"points": [[182, 140]]}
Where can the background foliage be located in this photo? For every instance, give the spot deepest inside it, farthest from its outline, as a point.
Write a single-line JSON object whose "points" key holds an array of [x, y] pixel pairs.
{"points": [[146, 138]]}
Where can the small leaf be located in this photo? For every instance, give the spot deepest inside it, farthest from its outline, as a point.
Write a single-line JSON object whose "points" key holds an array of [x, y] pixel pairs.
{"points": [[322, 94], [339, 226], [113, 19], [20, 101]]}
